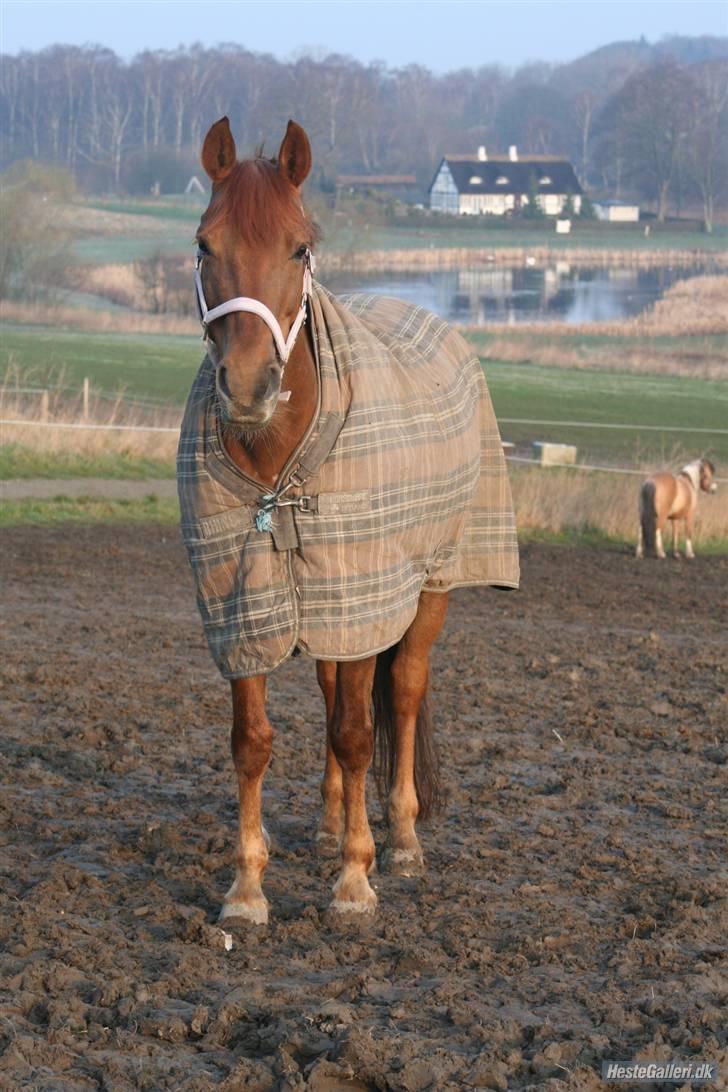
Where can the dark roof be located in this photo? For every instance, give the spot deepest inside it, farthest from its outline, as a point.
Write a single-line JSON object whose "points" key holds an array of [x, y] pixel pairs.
{"points": [[518, 173]]}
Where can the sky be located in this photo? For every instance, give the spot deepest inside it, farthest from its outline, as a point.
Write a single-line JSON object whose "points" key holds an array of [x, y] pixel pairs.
{"points": [[440, 35]]}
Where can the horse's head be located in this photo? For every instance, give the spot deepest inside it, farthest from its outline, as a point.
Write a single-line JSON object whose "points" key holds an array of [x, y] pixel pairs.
{"points": [[254, 241], [707, 476]]}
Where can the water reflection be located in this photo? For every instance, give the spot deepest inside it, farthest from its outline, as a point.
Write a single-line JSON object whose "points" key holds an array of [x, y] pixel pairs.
{"points": [[559, 292]]}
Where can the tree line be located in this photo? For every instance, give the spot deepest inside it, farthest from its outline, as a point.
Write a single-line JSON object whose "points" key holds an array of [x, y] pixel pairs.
{"points": [[634, 119]]}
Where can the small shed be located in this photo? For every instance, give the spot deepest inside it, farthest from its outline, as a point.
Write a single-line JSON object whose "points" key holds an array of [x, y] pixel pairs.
{"points": [[550, 454], [616, 212]]}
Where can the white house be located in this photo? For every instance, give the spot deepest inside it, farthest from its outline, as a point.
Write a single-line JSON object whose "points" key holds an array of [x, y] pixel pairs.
{"points": [[499, 185]]}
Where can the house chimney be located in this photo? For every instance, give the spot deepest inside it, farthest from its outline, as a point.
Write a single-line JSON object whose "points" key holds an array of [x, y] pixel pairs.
{"points": [[513, 153], [482, 155]]}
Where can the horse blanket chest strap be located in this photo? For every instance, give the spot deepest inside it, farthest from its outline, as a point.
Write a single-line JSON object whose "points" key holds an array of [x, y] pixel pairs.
{"points": [[400, 486]]}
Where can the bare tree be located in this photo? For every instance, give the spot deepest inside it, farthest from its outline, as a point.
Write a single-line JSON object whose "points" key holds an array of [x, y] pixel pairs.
{"points": [[649, 119], [708, 160]]}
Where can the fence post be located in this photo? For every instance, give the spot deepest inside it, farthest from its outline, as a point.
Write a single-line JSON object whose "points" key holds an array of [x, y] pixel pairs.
{"points": [[44, 406], [85, 398]]}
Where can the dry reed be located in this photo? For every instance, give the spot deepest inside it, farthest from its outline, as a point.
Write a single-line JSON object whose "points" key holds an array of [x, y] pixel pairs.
{"points": [[37, 414], [93, 321], [697, 307], [556, 500], [434, 258]]}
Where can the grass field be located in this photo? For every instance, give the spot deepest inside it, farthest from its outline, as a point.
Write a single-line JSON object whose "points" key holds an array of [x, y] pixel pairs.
{"points": [[163, 368], [507, 234], [559, 507], [145, 227], [88, 510], [151, 366]]}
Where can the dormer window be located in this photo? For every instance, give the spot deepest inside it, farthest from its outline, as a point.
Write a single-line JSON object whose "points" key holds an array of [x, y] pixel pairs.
{"points": [[476, 180], [501, 180], [545, 181]]}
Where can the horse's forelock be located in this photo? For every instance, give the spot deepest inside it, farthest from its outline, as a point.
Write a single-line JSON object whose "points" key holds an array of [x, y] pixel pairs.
{"points": [[256, 202]]}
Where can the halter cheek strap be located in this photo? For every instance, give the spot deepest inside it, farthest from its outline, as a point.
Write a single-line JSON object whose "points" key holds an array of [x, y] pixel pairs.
{"points": [[256, 307]]}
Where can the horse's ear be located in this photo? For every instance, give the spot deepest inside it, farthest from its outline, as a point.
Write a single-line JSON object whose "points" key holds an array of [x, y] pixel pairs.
{"points": [[218, 151], [294, 158]]}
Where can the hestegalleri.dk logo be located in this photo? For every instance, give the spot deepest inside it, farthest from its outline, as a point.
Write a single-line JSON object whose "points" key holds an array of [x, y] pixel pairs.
{"points": [[670, 1072]]}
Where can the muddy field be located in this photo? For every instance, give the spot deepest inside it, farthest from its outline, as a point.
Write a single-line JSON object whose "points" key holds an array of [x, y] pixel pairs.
{"points": [[573, 911]]}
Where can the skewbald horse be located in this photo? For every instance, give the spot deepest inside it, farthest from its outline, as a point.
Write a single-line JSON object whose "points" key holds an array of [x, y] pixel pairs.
{"points": [[673, 497]]}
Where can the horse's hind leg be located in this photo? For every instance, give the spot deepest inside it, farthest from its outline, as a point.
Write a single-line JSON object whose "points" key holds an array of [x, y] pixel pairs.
{"points": [[352, 740], [409, 677], [251, 743], [689, 536], [659, 548], [328, 836]]}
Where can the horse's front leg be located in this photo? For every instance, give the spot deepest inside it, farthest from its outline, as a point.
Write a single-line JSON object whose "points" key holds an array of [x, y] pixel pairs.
{"points": [[328, 835], [352, 741], [676, 538], [251, 743], [409, 677]]}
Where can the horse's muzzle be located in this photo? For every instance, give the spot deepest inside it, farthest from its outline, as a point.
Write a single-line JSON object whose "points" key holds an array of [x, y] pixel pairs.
{"points": [[254, 414]]}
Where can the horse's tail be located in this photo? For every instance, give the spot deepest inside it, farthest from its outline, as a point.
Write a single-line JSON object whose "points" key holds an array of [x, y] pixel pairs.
{"points": [[427, 771], [648, 518]]}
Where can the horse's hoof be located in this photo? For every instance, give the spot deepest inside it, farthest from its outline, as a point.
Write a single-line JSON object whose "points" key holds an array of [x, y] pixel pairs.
{"points": [[403, 862], [353, 898], [360, 908], [327, 845], [255, 912]]}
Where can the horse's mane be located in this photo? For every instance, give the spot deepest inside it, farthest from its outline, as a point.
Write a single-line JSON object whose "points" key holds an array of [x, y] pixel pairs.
{"points": [[257, 202]]}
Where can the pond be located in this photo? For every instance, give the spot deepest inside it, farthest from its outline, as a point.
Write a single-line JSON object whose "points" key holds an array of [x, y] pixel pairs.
{"points": [[513, 294]]}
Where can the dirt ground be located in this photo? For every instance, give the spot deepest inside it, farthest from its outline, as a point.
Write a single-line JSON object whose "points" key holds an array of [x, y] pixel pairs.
{"points": [[573, 910]]}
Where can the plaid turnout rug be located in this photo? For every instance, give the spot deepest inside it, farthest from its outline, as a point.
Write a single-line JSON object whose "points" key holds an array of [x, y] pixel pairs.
{"points": [[399, 486]]}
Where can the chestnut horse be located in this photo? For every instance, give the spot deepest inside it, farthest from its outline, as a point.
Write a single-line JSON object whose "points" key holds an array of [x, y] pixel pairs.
{"points": [[263, 419], [673, 497]]}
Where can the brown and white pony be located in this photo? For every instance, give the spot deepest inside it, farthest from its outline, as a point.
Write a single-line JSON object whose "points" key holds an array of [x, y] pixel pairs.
{"points": [[674, 497]]}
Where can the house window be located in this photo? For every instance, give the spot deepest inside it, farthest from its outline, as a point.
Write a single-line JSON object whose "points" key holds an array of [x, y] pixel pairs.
{"points": [[476, 180], [501, 180], [545, 181]]}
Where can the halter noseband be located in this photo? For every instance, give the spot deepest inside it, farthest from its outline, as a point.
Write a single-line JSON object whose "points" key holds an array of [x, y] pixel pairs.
{"points": [[256, 307]]}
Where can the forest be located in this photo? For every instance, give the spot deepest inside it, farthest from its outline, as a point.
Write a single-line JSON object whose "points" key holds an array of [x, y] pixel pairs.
{"points": [[639, 120]]}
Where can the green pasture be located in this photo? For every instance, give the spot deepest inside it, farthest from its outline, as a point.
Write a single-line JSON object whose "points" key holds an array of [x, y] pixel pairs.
{"points": [[168, 227], [163, 367], [493, 232], [156, 366], [539, 393], [60, 509]]}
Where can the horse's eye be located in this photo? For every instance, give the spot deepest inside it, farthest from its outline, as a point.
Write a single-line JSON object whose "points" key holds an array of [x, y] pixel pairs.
{"points": [[301, 253], [203, 248]]}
